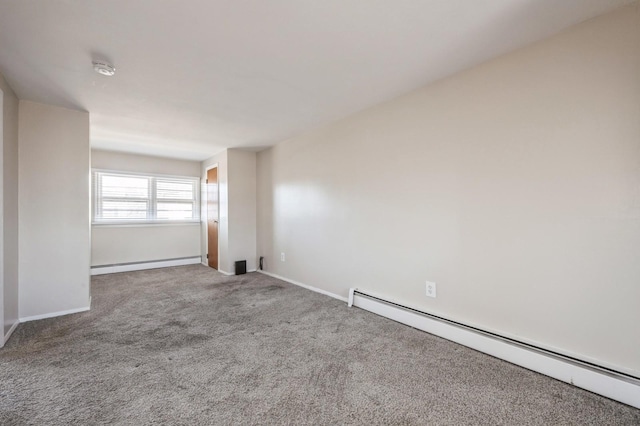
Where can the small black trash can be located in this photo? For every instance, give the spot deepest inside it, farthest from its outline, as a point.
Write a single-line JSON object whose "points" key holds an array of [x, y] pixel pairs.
{"points": [[241, 267]]}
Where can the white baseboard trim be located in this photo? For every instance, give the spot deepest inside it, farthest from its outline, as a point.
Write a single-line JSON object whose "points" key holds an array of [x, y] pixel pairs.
{"points": [[225, 272], [56, 314], [140, 266], [308, 287], [11, 330], [607, 383], [229, 273]]}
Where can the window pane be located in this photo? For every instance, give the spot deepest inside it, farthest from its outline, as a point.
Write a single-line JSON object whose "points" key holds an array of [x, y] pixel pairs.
{"points": [[139, 198], [174, 190], [175, 211], [125, 186], [117, 209]]}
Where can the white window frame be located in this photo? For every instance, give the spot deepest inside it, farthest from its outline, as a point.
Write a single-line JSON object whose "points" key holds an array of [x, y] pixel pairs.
{"points": [[151, 217]]}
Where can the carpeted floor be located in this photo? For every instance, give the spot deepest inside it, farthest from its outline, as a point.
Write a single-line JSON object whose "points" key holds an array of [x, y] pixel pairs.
{"points": [[187, 345]]}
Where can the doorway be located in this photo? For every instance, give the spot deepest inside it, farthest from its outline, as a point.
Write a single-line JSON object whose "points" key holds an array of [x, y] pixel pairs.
{"points": [[212, 217]]}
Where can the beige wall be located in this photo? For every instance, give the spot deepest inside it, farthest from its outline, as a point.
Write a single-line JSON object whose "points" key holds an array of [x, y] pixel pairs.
{"points": [[242, 207], [110, 160], [237, 195], [115, 244], [54, 227], [9, 249], [514, 186]]}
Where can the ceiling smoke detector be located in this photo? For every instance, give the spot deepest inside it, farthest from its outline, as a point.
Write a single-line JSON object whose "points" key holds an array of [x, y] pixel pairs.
{"points": [[104, 68]]}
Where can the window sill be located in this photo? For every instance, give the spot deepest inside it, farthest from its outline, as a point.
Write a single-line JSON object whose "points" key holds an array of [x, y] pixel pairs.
{"points": [[144, 224]]}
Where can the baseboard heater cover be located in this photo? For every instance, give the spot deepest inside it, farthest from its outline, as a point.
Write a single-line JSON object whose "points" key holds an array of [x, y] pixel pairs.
{"points": [[601, 380], [140, 266]]}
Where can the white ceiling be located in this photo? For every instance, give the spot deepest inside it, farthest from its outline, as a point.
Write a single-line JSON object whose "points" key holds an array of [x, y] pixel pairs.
{"points": [[197, 76]]}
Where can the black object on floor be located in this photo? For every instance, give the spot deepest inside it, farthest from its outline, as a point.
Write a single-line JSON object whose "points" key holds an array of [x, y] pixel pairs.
{"points": [[241, 267]]}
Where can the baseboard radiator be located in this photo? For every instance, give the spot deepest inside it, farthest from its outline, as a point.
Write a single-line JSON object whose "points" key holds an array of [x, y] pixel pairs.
{"points": [[139, 266], [612, 384]]}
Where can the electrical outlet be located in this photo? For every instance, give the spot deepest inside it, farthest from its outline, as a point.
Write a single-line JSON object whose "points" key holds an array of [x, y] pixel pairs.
{"points": [[431, 289], [282, 257]]}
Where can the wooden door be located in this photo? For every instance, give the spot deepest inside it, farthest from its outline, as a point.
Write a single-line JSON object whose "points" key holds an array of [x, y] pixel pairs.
{"points": [[212, 217]]}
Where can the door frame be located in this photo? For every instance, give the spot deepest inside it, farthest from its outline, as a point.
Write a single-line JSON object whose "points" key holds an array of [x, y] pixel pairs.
{"points": [[204, 196]]}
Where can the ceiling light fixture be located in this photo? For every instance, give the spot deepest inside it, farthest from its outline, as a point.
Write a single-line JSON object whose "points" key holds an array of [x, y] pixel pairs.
{"points": [[104, 68]]}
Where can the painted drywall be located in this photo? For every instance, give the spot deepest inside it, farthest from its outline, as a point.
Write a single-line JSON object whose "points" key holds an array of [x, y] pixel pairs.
{"points": [[113, 245], [237, 195], [111, 160], [54, 226], [219, 160], [130, 244], [9, 249], [513, 185], [242, 207]]}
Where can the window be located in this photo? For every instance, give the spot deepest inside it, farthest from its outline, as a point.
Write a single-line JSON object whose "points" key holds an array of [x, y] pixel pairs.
{"points": [[133, 198]]}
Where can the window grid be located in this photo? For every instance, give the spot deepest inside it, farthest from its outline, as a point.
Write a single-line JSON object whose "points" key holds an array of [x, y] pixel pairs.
{"points": [[116, 195]]}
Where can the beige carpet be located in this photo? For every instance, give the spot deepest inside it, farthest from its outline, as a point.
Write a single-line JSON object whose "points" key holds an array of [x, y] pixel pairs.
{"points": [[188, 346]]}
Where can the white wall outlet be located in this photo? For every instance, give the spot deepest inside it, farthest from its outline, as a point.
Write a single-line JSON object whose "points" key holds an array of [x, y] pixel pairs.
{"points": [[431, 289], [282, 257]]}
